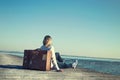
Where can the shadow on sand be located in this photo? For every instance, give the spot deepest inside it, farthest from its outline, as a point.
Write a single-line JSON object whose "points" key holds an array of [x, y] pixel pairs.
{"points": [[11, 66]]}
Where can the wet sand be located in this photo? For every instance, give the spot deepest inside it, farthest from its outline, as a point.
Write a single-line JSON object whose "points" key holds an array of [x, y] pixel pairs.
{"points": [[11, 69]]}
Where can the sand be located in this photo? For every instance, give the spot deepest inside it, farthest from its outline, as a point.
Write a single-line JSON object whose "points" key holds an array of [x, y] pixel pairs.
{"points": [[11, 69]]}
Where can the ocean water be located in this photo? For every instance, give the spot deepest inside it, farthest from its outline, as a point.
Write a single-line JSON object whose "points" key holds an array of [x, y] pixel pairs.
{"points": [[104, 65]]}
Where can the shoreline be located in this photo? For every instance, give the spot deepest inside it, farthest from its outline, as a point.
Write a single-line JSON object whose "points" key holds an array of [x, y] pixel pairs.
{"points": [[11, 69], [91, 62]]}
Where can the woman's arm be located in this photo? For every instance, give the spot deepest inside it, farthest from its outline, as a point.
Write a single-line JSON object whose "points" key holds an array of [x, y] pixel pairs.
{"points": [[54, 61]]}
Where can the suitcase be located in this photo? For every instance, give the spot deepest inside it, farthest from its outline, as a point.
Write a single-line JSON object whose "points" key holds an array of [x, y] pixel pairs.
{"points": [[38, 60]]}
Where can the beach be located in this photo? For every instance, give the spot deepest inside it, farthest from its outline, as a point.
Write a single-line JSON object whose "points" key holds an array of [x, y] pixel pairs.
{"points": [[11, 69]]}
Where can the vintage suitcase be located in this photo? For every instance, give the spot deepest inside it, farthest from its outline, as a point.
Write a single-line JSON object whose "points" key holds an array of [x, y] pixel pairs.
{"points": [[39, 60], [27, 57]]}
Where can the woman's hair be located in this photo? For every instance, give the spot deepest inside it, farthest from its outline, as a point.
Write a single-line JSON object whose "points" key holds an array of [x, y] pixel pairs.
{"points": [[46, 38]]}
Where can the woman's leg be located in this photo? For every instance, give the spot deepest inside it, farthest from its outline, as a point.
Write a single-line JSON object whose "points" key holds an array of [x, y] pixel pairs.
{"points": [[60, 62], [64, 65], [58, 57]]}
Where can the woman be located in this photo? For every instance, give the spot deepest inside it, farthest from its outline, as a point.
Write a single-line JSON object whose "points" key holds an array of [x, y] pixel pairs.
{"points": [[47, 45]]}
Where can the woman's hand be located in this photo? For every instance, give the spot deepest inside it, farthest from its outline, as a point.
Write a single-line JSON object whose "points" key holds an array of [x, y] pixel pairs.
{"points": [[60, 70]]}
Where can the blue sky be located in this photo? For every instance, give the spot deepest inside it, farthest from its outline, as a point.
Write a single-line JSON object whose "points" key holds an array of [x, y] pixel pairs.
{"points": [[78, 27]]}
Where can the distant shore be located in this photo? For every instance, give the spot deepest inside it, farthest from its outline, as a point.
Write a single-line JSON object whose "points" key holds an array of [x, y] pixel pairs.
{"points": [[11, 69]]}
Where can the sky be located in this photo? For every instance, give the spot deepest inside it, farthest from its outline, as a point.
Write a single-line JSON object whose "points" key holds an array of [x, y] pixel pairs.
{"points": [[78, 27]]}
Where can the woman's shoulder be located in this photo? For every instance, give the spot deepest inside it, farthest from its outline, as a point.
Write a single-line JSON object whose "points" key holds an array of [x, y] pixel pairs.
{"points": [[52, 47], [47, 48], [44, 47]]}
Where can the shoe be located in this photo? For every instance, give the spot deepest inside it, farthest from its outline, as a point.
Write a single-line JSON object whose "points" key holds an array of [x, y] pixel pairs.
{"points": [[74, 65]]}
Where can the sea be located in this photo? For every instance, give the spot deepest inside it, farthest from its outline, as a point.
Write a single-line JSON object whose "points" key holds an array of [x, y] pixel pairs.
{"points": [[103, 65]]}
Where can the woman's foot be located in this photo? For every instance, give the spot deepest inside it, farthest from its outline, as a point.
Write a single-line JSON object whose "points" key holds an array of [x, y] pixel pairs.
{"points": [[74, 65]]}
